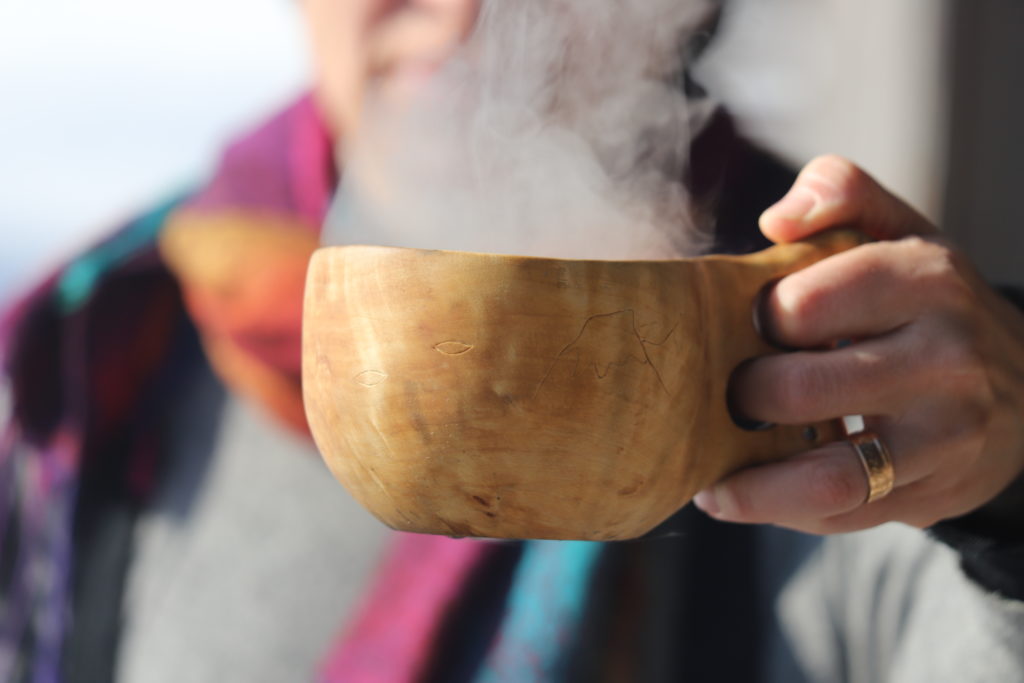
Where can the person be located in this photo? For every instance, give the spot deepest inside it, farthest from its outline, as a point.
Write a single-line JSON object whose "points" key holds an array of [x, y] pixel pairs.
{"points": [[191, 537]]}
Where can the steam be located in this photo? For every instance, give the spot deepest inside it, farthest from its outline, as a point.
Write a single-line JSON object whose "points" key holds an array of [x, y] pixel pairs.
{"points": [[559, 129]]}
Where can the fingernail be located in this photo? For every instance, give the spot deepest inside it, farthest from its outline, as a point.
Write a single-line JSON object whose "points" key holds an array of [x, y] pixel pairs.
{"points": [[705, 500], [795, 206]]}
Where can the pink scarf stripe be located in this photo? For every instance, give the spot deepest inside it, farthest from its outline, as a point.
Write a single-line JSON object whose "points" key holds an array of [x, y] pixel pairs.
{"points": [[391, 638]]}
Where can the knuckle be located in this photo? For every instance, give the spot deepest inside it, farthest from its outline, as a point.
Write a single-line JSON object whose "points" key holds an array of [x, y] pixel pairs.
{"points": [[965, 374], [975, 418], [966, 433], [938, 269], [836, 176], [795, 310]]}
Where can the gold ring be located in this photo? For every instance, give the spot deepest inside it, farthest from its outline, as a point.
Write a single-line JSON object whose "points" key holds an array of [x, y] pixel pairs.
{"points": [[877, 462]]}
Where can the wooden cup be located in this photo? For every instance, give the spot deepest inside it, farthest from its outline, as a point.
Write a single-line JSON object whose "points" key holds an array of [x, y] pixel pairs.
{"points": [[510, 397]]}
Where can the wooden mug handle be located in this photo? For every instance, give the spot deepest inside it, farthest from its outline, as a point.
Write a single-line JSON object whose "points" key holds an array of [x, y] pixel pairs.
{"points": [[740, 280]]}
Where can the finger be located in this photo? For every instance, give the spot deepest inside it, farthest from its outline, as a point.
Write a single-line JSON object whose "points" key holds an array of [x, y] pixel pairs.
{"points": [[863, 292], [914, 504], [879, 376], [830, 192], [821, 483], [921, 504], [826, 489], [934, 454]]}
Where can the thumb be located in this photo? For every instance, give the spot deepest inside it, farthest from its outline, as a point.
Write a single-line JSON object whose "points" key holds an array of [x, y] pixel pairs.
{"points": [[833, 192]]}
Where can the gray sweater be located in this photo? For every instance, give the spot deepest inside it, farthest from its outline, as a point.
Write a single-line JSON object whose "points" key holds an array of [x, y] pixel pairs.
{"points": [[252, 551], [893, 604]]}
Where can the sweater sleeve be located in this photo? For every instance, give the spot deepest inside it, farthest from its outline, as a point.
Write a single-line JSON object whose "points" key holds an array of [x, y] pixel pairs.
{"points": [[891, 604], [990, 542]]}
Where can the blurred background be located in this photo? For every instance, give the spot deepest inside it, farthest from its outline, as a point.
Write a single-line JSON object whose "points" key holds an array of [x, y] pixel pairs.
{"points": [[109, 105], [928, 95]]}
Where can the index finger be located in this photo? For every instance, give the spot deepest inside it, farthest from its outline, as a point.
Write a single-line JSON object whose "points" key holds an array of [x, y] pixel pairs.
{"points": [[834, 192]]}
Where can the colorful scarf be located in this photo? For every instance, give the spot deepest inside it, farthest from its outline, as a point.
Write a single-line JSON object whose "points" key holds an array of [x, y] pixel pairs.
{"points": [[95, 358], [93, 355]]}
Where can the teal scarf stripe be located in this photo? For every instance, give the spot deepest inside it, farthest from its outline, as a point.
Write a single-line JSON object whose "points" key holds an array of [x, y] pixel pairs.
{"points": [[544, 610], [79, 280]]}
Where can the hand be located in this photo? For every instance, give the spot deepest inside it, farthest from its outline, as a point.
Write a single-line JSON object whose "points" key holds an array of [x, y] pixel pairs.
{"points": [[355, 41], [937, 368]]}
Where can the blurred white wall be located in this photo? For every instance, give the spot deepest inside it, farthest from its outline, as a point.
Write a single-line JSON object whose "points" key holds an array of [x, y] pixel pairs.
{"points": [[863, 78], [108, 105]]}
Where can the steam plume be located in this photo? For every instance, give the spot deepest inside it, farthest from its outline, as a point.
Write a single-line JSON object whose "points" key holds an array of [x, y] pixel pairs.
{"points": [[558, 130]]}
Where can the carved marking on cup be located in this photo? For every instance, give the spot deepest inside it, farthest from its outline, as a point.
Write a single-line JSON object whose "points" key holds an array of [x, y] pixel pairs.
{"points": [[370, 378], [587, 347], [453, 348]]}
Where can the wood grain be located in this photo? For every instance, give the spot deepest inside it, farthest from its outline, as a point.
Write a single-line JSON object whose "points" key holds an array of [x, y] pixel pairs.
{"points": [[510, 397]]}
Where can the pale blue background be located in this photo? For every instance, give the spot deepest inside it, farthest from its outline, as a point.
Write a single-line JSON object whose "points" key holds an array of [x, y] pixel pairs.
{"points": [[107, 105]]}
